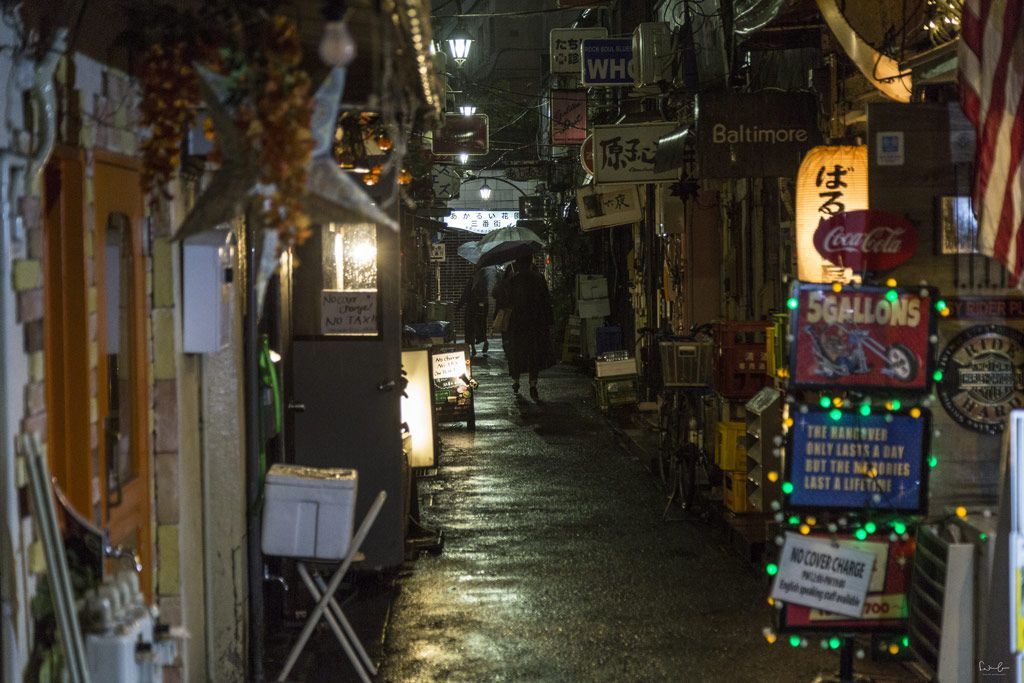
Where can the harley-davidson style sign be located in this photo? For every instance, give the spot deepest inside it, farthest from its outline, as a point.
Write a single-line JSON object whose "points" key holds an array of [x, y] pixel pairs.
{"points": [[860, 337], [982, 377], [866, 240]]}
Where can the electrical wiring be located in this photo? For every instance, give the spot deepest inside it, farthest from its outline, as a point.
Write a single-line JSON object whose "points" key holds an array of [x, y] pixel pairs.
{"points": [[522, 13]]}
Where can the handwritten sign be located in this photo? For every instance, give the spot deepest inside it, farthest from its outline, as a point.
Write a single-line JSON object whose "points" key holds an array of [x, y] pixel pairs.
{"points": [[861, 337], [568, 117], [815, 573], [607, 206], [842, 460], [448, 365], [565, 47], [352, 312], [626, 153]]}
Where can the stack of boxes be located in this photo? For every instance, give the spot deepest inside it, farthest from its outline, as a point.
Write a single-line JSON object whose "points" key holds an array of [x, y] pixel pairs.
{"points": [[592, 307], [615, 381], [731, 457]]}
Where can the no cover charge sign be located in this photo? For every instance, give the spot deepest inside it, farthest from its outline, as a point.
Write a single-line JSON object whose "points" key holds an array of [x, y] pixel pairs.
{"points": [[822, 575]]}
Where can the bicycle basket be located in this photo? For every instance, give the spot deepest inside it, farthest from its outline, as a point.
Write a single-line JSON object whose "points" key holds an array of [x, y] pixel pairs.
{"points": [[686, 364]]}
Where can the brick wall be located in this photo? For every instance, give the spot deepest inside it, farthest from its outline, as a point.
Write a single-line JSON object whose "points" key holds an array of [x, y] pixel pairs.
{"points": [[455, 271]]}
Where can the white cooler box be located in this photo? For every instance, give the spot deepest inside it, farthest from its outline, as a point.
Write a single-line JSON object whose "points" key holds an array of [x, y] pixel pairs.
{"points": [[308, 511]]}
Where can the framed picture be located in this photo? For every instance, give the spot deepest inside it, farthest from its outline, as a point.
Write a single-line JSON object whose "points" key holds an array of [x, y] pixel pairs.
{"points": [[958, 226]]}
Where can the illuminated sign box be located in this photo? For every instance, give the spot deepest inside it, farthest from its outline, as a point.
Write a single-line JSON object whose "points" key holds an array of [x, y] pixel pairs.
{"points": [[481, 221], [843, 460], [861, 337], [462, 135]]}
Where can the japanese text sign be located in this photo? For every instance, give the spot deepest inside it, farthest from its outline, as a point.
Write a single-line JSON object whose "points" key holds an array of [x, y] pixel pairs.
{"points": [[607, 206], [884, 606], [568, 117], [626, 153], [817, 573], [565, 46], [607, 62], [842, 460], [831, 180], [866, 240], [861, 337], [757, 134], [352, 312], [480, 221]]}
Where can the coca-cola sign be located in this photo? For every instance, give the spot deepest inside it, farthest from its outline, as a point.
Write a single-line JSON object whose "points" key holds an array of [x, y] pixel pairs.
{"points": [[866, 240]]}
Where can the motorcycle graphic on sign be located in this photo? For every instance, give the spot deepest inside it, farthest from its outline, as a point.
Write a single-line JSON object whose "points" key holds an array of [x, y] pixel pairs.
{"points": [[841, 351]]}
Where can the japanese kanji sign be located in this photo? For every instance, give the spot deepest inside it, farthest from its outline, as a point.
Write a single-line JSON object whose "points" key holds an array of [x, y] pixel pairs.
{"points": [[568, 117], [481, 221], [625, 153], [565, 47], [831, 180], [607, 206]]}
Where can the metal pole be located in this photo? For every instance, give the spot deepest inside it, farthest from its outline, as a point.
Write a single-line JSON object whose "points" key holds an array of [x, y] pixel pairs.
{"points": [[846, 661], [253, 445]]}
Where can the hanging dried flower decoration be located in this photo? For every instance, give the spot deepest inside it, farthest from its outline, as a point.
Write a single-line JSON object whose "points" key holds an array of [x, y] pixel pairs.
{"points": [[170, 97]]}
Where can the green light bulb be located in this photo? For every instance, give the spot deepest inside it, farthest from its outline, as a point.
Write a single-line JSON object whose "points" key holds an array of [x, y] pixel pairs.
{"points": [[834, 642], [983, 535], [860, 534], [865, 409], [870, 527], [940, 305], [824, 401], [794, 520], [771, 569], [932, 461], [937, 375], [787, 488], [892, 295], [835, 414], [906, 641], [896, 405], [899, 527], [794, 641], [791, 303]]}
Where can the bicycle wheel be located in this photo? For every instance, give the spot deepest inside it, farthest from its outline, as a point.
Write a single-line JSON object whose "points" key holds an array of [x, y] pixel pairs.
{"points": [[686, 475], [668, 439]]}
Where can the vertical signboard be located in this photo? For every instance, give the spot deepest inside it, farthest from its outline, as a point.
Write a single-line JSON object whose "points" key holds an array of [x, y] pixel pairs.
{"points": [[607, 62], [568, 117], [565, 46], [626, 153]]}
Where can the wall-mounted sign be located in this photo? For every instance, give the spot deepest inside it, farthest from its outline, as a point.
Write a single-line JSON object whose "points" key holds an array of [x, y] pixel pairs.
{"points": [[983, 377], [607, 62], [445, 182], [985, 308], [607, 205], [626, 153], [438, 253], [866, 240], [348, 312], [462, 135], [565, 46], [885, 606], [587, 154], [857, 462], [889, 150], [568, 117], [480, 221], [759, 134], [861, 338], [831, 180], [826, 576], [958, 226]]}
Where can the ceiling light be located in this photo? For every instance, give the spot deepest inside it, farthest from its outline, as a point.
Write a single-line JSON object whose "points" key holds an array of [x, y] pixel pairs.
{"points": [[485, 191], [467, 110]]}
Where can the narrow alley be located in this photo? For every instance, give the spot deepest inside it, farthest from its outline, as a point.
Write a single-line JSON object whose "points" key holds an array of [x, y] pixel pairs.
{"points": [[557, 565]]}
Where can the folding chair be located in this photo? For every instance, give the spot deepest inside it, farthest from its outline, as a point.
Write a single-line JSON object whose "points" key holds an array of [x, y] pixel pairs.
{"points": [[328, 607]]}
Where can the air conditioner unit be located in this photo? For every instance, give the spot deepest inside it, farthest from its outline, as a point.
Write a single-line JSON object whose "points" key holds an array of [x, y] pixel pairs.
{"points": [[652, 53]]}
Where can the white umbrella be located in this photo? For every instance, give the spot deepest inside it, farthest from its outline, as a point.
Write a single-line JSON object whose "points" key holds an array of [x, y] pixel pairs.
{"points": [[469, 251]]}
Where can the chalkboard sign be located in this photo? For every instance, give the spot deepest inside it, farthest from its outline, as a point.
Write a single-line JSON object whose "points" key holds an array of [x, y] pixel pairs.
{"points": [[842, 460], [451, 380]]}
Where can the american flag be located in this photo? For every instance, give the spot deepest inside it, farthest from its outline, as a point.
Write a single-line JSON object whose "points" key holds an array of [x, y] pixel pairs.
{"points": [[991, 63]]}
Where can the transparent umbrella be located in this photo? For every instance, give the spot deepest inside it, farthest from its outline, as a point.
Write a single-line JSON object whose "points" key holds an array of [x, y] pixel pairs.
{"points": [[469, 251]]}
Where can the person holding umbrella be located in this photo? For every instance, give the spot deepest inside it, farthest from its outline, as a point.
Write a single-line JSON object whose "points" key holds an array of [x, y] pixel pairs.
{"points": [[474, 300], [525, 294]]}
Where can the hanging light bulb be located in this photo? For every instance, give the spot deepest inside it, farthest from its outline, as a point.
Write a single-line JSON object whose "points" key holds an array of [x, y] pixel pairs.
{"points": [[463, 157], [337, 48], [467, 110], [485, 191]]}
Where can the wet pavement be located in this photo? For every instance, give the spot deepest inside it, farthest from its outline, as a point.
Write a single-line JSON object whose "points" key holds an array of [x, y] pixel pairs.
{"points": [[558, 565]]}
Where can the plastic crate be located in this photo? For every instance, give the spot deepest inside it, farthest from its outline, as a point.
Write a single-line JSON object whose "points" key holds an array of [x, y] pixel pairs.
{"points": [[777, 347], [731, 446], [741, 362], [686, 364], [616, 391], [734, 491]]}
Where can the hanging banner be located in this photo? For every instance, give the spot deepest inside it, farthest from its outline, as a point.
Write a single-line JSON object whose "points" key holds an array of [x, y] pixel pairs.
{"points": [[885, 605], [826, 576], [607, 62], [758, 134], [843, 460], [480, 221], [861, 337], [831, 180], [983, 377], [607, 205], [565, 46], [866, 241], [626, 153], [568, 117]]}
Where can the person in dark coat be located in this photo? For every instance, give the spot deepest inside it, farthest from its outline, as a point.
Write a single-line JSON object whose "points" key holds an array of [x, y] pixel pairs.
{"points": [[526, 295], [474, 300]]}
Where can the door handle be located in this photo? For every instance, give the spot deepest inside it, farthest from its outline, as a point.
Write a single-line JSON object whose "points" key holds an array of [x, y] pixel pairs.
{"points": [[387, 385], [296, 407]]}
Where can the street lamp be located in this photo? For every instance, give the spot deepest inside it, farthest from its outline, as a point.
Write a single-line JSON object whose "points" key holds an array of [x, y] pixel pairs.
{"points": [[467, 110], [459, 48], [485, 191]]}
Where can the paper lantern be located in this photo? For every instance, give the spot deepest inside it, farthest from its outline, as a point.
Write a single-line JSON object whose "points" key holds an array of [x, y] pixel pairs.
{"points": [[832, 179]]}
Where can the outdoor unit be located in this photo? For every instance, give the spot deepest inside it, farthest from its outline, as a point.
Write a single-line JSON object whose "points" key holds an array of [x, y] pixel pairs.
{"points": [[652, 53]]}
